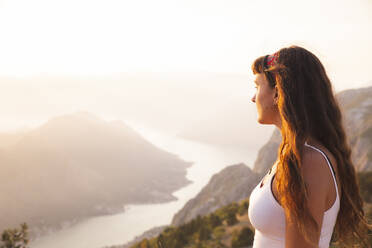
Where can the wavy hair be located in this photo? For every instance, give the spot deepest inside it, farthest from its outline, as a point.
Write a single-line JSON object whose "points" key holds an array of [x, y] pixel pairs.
{"points": [[308, 108]]}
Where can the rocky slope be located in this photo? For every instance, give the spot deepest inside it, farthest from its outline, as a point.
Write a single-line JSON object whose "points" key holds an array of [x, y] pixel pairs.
{"points": [[357, 109], [267, 154], [155, 231], [233, 183], [356, 105], [357, 112], [236, 182]]}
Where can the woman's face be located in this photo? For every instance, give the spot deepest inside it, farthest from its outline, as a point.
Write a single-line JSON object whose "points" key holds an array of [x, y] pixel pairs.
{"points": [[265, 99]]}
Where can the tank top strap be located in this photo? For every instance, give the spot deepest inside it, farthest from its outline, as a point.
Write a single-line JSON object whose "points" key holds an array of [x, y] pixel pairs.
{"points": [[328, 162]]}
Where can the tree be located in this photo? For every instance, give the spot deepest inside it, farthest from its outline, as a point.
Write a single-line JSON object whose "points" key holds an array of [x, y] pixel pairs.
{"points": [[243, 208], [199, 245], [145, 243], [233, 207], [15, 238], [365, 185], [204, 233], [160, 241], [214, 220], [231, 218], [180, 238], [242, 238]]}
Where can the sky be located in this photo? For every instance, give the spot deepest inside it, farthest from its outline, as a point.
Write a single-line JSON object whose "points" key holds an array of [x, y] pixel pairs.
{"points": [[52, 47]]}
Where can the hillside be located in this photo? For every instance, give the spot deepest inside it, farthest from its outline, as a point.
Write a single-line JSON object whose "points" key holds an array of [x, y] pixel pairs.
{"points": [[233, 183], [226, 227], [356, 106], [78, 165], [357, 109], [357, 112]]}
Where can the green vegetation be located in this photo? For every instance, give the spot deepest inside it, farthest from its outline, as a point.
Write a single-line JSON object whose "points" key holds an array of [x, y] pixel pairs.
{"points": [[243, 208], [225, 228], [15, 238], [369, 217], [219, 229], [214, 220], [229, 212], [367, 134], [242, 238], [365, 185]]}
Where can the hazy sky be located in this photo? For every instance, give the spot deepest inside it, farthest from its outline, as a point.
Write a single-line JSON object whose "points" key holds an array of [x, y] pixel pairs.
{"points": [[47, 45]]}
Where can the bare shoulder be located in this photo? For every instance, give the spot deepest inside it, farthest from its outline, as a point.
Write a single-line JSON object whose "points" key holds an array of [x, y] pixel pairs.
{"points": [[315, 172], [314, 167]]}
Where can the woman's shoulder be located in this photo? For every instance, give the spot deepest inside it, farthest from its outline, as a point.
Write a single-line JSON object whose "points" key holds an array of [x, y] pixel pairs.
{"points": [[314, 167], [317, 159], [316, 171]]}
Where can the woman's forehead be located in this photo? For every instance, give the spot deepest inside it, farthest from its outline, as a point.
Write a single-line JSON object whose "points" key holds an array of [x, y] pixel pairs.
{"points": [[259, 78]]}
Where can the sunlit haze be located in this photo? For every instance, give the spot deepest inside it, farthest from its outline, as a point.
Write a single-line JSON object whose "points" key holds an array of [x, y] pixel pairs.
{"points": [[113, 110], [87, 55]]}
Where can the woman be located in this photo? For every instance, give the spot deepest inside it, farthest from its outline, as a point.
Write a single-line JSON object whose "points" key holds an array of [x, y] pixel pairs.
{"points": [[311, 191]]}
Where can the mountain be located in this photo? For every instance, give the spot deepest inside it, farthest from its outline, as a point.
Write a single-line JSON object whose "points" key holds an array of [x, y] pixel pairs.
{"points": [[155, 231], [233, 183], [227, 226], [78, 165], [10, 139], [357, 109], [356, 106], [236, 182], [268, 153]]}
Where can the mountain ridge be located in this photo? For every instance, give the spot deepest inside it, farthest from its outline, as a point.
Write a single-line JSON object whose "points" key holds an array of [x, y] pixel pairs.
{"points": [[356, 107], [77, 166]]}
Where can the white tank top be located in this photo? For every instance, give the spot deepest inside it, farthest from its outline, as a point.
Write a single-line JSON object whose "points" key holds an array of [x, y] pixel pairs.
{"points": [[268, 218]]}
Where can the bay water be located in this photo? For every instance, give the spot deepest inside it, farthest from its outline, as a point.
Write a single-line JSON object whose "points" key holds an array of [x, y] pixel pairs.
{"points": [[101, 231]]}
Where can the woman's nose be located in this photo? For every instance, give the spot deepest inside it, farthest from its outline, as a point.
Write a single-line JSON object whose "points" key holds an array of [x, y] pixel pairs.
{"points": [[253, 99]]}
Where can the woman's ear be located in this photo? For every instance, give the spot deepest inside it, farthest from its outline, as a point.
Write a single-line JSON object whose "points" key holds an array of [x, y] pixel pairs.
{"points": [[276, 96]]}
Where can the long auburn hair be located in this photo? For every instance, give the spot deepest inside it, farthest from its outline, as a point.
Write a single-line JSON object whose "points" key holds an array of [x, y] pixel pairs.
{"points": [[308, 108]]}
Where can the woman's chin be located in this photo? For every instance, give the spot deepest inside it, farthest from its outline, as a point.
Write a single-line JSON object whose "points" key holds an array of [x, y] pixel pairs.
{"points": [[260, 120], [263, 121]]}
